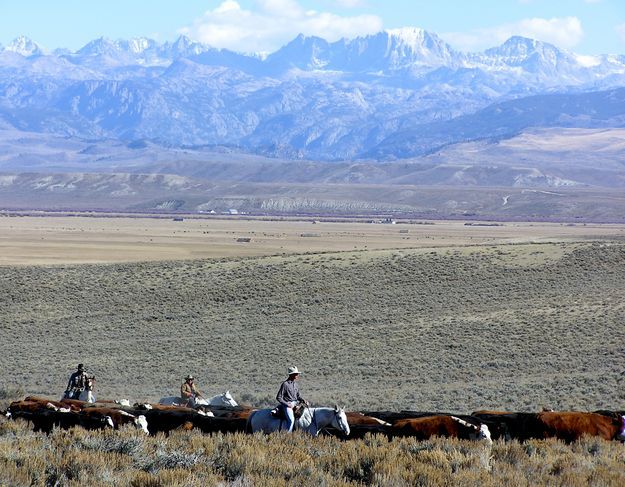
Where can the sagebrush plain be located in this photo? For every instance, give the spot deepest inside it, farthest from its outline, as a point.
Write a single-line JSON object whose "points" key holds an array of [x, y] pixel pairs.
{"points": [[489, 317], [435, 316], [77, 457]]}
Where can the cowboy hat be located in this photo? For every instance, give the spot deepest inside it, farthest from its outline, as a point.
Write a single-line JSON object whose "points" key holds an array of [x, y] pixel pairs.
{"points": [[293, 370], [188, 377]]}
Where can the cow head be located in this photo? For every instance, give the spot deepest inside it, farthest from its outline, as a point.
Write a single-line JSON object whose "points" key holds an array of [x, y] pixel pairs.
{"points": [[142, 423], [484, 434], [108, 421]]}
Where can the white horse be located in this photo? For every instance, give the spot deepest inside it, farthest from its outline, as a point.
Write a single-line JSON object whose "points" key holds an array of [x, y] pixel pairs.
{"points": [[224, 399], [87, 394], [313, 420]]}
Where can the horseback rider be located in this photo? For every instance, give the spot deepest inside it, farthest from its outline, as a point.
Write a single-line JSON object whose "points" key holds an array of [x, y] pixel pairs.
{"points": [[77, 383], [289, 397], [189, 391]]}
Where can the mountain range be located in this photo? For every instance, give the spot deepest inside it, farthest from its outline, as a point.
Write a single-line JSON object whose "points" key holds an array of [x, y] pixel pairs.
{"points": [[396, 94]]}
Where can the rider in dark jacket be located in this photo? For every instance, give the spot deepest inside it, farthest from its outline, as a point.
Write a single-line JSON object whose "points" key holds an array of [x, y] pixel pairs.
{"points": [[77, 383]]}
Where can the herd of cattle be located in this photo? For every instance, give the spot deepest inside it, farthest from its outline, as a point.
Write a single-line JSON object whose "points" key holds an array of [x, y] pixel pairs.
{"points": [[46, 414]]}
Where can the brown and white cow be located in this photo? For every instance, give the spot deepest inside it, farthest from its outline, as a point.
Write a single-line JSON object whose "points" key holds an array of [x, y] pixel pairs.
{"points": [[567, 426], [512, 425], [46, 416], [441, 425], [360, 424], [164, 419], [117, 417], [59, 404], [392, 416], [572, 425]]}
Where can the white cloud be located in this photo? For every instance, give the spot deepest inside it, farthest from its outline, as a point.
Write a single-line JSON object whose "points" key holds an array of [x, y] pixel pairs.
{"points": [[620, 30], [564, 32], [272, 24]]}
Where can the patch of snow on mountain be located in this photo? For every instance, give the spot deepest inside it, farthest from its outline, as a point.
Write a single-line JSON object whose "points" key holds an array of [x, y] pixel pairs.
{"points": [[24, 46]]}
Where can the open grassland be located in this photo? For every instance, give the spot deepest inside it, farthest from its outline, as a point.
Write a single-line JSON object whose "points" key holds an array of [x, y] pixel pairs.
{"points": [[77, 457], [63, 240], [513, 326]]}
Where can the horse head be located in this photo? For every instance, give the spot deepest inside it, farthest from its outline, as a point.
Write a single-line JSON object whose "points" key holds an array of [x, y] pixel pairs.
{"points": [[228, 400], [340, 420], [87, 394]]}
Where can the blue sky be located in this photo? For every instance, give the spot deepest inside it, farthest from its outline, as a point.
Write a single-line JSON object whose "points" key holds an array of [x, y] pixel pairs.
{"points": [[584, 26]]}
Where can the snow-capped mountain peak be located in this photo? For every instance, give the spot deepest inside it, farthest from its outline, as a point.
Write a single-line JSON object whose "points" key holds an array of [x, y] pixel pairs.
{"points": [[100, 46], [312, 98], [411, 36], [420, 45], [303, 52], [538, 59], [140, 44], [183, 46], [24, 46], [520, 48]]}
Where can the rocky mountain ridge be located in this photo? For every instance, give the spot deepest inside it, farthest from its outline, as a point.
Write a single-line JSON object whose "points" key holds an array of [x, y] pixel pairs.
{"points": [[372, 97]]}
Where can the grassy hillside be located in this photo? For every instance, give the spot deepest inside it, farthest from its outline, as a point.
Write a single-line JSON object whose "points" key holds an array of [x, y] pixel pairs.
{"points": [[508, 326]]}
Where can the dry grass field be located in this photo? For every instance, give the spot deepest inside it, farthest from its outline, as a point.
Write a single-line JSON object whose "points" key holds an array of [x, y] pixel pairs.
{"points": [[77, 458], [53, 240], [516, 316]]}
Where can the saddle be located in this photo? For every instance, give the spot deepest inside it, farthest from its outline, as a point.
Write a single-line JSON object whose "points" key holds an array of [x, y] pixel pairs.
{"points": [[72, 393], [278, 412]]}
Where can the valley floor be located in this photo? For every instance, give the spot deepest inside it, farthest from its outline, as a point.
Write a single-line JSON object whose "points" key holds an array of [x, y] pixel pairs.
{"points": [[50, 240], [514, 320]]}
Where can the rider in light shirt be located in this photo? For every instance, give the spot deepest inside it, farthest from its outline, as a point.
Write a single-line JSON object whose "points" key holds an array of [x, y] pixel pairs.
{"points": [[288, 396]]}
